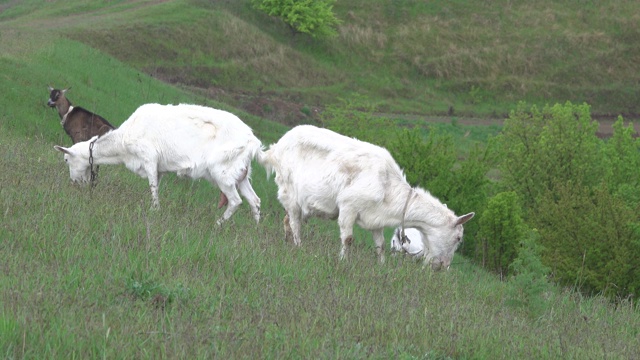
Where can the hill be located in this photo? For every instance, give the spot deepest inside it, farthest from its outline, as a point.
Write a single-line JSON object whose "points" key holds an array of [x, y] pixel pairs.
{"points": [[463, 58]]}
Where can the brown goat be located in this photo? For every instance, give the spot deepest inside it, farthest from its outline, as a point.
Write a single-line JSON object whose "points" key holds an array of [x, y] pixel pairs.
{"points": [[79, 123]]}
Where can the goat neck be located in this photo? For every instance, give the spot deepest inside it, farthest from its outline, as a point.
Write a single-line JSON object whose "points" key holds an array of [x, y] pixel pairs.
{"points": [[426, 211], [107, 149], [64, 107]]}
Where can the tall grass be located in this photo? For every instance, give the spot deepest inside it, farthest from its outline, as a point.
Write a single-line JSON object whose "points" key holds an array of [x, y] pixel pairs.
{"points": [[93, 273]]}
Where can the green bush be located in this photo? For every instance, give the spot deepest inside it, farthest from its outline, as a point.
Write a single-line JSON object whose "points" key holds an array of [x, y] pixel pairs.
{"points": [[541, 147], [580, 193], [502, 228], [313, 17], [427, 162], [622, 153], [529, 282], [590, 238]]}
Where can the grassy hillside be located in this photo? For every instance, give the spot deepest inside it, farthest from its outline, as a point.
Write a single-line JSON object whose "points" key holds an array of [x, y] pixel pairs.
{"points": [[474, 59], [430, 58], [95, 274]]}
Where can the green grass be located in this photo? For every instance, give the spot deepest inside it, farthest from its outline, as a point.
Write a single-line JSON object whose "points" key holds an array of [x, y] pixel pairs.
{"points": [[410, 56], [98, 82], [95, 274]]}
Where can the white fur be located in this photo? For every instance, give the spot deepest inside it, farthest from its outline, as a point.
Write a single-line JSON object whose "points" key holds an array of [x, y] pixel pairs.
{"points": [[190, 140], [322, 173], [64, 117], [415, 246]]}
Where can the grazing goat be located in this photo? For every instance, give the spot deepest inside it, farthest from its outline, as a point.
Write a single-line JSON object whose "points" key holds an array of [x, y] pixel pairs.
{"points": [[79, 123], [414, 246], [190, 140], [322, 173]]}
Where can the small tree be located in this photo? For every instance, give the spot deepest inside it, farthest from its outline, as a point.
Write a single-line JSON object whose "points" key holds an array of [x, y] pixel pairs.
{"points": [[426, 161], [542, 147], [501, 231], [313, 17], [529, 280], [622, 152], [590, 239]]}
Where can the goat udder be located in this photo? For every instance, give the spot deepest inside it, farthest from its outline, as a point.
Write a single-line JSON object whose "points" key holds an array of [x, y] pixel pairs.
{"points": [[223, 200]]}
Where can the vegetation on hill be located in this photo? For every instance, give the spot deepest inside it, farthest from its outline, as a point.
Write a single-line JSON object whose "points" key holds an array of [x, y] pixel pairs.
{"points": [[314, 18], [417, 57], [429, 58]]}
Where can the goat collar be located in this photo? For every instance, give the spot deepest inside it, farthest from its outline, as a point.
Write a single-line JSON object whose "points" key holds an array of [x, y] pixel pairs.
{"points": [[403, 238], [94, 174], [64, 117]]}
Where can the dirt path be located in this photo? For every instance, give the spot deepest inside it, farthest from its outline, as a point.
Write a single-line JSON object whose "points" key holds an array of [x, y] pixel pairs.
{"points": [[605, 128]]}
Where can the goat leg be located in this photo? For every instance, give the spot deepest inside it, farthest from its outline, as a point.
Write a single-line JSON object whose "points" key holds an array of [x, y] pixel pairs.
{"points": [[223, 198]]}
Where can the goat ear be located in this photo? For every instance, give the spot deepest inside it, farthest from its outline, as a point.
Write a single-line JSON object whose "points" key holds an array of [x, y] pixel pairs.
{"points": [[64, 91], [50, 88], [62, 149], [464, 218]]}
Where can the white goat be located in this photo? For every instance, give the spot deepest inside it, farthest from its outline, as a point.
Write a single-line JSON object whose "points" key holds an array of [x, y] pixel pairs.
{"points": [[322, 173], [190, 140], [414, 246]]}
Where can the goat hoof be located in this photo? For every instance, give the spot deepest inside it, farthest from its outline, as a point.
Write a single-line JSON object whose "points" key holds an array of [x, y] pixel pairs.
{"points": [[348, 241]]}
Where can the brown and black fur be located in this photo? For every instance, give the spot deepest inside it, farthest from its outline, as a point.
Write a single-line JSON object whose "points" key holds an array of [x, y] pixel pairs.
{"points": [[79, 123]]}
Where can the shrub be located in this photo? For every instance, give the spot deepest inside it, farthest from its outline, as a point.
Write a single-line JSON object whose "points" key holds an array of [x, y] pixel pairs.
{"points": [[502, 229], [529, 280], [313, 17], [555, 145], [581, 193], [427, 162], [590, 239], [622, 153]]}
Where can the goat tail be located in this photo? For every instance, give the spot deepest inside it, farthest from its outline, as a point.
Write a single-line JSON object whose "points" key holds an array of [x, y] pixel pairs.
{"points": [[265, 159]]}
